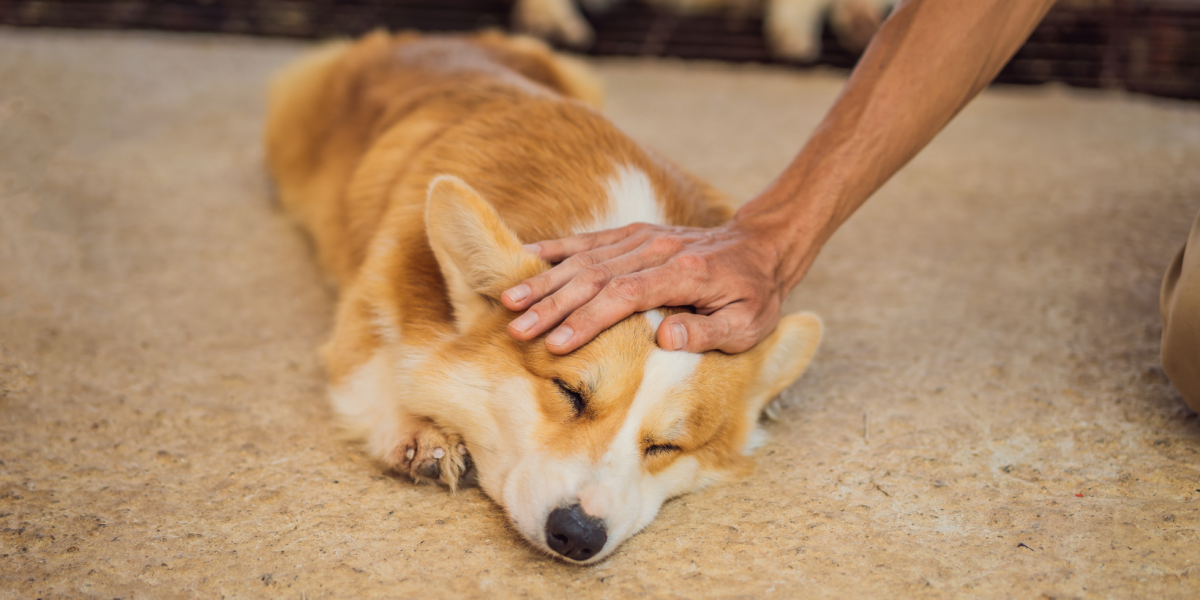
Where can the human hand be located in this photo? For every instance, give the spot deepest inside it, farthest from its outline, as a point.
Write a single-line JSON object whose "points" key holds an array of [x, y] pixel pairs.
{"points": [[729, 274]]}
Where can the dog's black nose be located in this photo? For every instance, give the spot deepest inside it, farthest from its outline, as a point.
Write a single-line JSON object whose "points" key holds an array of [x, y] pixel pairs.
{"points": [[574, 534]]}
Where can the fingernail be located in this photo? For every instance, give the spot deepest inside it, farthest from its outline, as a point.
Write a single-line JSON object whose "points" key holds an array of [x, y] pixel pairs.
{"points": [[534, 249], [678, 336], [518, 293], [560, 336], [524, 322]]}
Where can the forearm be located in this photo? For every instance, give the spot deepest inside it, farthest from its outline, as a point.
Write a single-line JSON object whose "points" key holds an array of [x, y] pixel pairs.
{"points": [[930, 58], [927, 61]]}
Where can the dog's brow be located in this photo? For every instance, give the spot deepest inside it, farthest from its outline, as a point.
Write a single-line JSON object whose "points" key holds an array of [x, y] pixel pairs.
{"points": [[673, 431]]}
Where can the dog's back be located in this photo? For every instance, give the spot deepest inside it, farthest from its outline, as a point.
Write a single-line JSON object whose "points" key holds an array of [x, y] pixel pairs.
{"points": [[349, 121]]}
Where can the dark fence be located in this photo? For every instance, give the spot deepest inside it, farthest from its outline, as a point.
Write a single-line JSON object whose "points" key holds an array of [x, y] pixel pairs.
{"points": [[1148, 46]]}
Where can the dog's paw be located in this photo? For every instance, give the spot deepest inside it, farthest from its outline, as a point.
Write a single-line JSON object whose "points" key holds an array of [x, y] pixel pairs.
{"points": [[430, 454]]}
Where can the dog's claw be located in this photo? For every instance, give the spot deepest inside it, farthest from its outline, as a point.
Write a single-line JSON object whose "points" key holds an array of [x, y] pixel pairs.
{"points": [[462, 449], [410, 453]]}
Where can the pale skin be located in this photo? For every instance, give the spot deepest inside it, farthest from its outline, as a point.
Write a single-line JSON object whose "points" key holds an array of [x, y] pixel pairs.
{"points": [[928, 60]]}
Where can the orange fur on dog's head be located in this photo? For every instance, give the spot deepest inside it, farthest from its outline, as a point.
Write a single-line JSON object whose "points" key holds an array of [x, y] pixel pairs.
{"points": [[616, 427]]}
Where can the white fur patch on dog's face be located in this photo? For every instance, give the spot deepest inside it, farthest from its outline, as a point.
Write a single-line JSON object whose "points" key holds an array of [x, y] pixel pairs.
{"points": [[615, 487]]}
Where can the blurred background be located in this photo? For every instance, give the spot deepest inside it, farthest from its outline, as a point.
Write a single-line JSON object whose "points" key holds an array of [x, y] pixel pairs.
{"points": [[1146, 46]]}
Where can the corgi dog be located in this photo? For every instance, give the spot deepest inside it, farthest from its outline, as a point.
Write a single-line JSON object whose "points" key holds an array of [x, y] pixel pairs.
{"points": [[792, 28], [419, 165]]}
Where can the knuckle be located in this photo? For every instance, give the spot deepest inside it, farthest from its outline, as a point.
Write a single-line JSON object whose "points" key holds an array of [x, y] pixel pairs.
{"points": [[700, 333], [734, 337], [666, 244], [549, 305], [539, 283], [595, 276], [582, 260], [585, 241], [627, 288], [580, 321], [694, 263], [730, 336], [584, 322], [746, 322], [727, 326]]}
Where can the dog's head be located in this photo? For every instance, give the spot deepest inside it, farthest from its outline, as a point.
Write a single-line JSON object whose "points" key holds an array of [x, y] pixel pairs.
{"points": [[581, 450]]}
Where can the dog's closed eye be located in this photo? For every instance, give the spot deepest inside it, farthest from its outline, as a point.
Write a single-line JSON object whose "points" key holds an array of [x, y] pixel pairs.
{"points": [[660, 449], [577, 400]]}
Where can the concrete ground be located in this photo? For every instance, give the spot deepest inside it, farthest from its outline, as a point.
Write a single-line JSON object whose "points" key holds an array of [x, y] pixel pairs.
{"points": [[987, 416]]}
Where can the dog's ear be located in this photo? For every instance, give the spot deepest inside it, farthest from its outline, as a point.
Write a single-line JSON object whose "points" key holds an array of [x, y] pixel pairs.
{"points": [[479, 255], [783, 357]]}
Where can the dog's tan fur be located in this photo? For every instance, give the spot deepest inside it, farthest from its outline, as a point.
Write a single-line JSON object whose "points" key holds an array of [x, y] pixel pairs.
{"points": [[419, 165]]}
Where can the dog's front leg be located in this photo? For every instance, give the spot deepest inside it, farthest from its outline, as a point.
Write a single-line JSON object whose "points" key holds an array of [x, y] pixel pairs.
{"points": [[425, 452], [370, 410]]}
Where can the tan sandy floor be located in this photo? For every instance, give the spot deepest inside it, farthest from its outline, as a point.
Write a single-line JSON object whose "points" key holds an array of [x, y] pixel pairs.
{"points": [[163, 432]]}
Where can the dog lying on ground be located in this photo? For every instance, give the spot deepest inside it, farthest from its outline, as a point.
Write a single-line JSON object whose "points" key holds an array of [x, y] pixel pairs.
{"points": [[419, 165]]}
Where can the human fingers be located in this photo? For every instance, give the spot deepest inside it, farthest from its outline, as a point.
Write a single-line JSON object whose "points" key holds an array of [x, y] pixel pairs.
{"points": [[558, 250], [732, 329], [534, 289], [587, 283], [623, 296]]}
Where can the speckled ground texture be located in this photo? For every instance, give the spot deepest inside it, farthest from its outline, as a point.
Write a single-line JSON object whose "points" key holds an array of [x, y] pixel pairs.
{"points": [[987, 416]]}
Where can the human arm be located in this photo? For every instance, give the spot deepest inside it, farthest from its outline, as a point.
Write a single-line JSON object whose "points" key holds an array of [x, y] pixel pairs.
{"points": [[928, 60]]}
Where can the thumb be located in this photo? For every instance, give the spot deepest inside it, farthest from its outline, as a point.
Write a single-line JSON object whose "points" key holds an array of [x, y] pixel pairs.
{"points": [[698, 333]]}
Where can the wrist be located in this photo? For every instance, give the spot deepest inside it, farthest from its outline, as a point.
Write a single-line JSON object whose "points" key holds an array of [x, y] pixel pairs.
{"points": [[788, 228]]}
